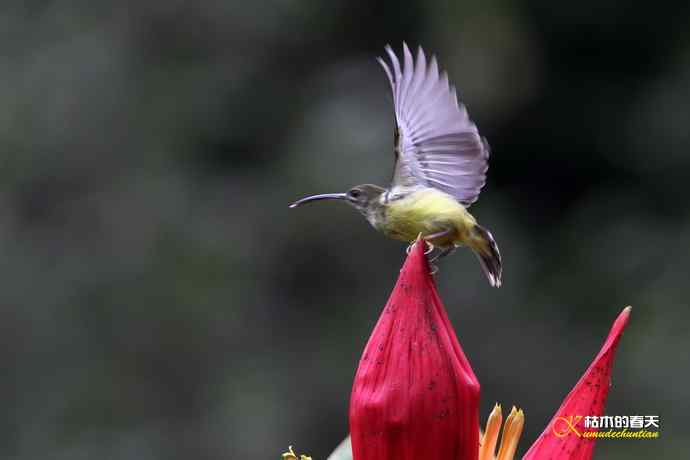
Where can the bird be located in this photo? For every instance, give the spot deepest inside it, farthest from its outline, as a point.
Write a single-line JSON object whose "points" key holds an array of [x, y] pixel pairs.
{"points": [[440, 167]]}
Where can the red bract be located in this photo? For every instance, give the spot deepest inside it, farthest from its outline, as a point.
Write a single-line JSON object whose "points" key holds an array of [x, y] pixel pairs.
{"points": [[414, 394], [562, 438]]}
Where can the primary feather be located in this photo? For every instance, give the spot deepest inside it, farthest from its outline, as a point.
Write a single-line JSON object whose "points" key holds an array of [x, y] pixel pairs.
{"points": [[436, 143]]}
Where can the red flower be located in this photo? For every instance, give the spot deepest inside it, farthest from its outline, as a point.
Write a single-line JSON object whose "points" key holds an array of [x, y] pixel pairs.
{"points": [[414, 394], [562, 439]]}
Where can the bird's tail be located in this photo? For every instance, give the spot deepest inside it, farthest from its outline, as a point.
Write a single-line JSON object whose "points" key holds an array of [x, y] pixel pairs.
{"points": [[486, 250]]}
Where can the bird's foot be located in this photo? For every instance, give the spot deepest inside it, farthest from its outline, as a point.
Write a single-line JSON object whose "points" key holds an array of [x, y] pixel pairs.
{"points": [[442, 253], [428, 250], [440, 234]]}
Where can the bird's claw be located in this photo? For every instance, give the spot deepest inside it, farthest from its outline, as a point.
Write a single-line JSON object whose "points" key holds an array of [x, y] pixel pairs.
{"points": [[429, 248]]}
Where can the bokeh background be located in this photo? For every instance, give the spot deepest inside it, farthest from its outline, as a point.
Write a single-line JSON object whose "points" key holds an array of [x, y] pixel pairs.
{"points": [[160, 301]]}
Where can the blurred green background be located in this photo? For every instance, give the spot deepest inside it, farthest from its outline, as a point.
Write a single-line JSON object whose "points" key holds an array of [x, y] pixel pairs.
{"points": [[160, 301]]}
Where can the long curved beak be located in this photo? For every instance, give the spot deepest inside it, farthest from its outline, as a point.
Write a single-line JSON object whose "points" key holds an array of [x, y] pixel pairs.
{"points": [[324, 196]]}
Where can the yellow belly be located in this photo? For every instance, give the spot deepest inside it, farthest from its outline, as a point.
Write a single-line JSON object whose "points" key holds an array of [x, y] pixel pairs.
{"points": [[428, 211]]}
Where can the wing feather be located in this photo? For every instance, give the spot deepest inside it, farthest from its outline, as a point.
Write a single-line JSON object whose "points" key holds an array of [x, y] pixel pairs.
{"points": [[437, 145]]}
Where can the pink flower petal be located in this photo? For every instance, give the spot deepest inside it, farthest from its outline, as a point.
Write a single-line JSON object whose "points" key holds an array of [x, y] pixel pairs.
{"points": [[414, 394], [559, 441]]}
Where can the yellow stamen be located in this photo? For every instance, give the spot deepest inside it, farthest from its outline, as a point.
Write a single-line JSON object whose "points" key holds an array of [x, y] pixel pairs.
{"points": [[511, 434], [493, 428], [512, 430], [291, 455]]}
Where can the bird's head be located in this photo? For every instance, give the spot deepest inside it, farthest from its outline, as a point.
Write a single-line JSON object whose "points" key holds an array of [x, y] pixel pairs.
{"points": [[361, 197]]}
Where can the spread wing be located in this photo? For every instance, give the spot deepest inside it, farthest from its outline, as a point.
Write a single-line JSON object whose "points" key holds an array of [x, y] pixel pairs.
{"points": [[436, 143]]}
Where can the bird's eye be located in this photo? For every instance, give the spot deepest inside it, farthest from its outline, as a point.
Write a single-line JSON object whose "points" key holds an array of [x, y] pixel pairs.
{"points": [[355, 193]]}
